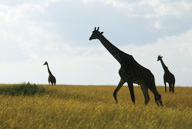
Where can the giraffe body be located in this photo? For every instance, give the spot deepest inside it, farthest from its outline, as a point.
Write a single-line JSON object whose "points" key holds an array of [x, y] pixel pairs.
{"points": [[168, 77], [130, 71], [51, 78]]}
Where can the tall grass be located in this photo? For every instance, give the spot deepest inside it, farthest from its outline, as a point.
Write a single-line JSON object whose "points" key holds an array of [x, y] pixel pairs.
{"points": [[93, 107]]}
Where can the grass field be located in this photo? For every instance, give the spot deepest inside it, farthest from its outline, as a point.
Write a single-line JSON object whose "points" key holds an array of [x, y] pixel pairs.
{"points": [[93, 107]]}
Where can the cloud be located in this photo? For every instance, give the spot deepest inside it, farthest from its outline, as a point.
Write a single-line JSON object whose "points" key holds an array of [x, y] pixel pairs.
{"points": [[148, 8], [51, 30], [142, 22], [26, 33]]}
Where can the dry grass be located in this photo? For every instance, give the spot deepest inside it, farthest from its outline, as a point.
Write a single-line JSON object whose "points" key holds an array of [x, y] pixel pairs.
{"points": [[88, 107]]}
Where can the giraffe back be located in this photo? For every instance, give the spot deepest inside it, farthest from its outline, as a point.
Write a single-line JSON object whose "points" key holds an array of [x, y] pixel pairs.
{"points": [[132, 71]]}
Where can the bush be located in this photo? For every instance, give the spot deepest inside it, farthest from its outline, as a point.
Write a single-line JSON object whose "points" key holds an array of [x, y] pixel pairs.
{"points": [[22, 89]]}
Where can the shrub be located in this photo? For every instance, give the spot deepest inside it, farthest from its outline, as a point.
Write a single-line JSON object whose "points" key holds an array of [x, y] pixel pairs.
{"points": [[22, 89]]}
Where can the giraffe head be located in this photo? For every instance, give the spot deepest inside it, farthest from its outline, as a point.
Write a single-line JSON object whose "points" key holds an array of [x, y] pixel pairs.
{"points": [[96, 33], [45, 63], [159, 57]]}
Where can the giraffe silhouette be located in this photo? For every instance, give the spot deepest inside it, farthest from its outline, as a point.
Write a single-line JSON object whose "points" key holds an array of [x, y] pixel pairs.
{"points": [[168, 76], [51, 78], [130, 71]]}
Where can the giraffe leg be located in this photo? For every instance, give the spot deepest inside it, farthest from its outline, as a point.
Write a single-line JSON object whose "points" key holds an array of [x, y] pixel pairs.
{"points": [[170, 87], [158, 99], [117, 89], [165, 86], [157, 96], [130, 85], [145, 93], [173, 87]]}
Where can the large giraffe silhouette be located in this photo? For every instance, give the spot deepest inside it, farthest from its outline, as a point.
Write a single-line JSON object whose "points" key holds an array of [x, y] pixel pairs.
{"points": [[130, 71], [51, 78], [168, 76]]}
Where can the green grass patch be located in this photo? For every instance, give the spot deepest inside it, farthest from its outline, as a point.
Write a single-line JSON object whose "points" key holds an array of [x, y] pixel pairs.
{"points": [[25, 89]]}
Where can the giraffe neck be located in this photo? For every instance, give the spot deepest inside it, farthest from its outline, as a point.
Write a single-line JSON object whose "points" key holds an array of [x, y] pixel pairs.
{"points": [[164, 66], [115, 52], [48, 69]]}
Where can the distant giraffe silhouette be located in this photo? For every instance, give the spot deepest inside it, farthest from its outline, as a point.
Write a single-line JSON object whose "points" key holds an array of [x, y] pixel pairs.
{"points": [[51, 78], [130, 71], [168, 76]]}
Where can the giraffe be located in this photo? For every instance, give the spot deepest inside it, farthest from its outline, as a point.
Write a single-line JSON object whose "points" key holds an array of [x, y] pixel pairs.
{"points": [[130, 71], [51, 78], [168, 76]]}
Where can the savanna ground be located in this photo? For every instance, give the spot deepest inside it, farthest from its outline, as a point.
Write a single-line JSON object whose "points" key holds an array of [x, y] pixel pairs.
{"points": [[93, 107]]}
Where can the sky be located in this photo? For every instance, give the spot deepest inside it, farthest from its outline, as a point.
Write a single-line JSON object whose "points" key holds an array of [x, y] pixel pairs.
{"points": [[58, 31]]}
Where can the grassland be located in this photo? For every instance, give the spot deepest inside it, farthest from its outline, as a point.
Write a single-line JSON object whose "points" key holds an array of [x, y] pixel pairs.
{"points": [[93, 107]]}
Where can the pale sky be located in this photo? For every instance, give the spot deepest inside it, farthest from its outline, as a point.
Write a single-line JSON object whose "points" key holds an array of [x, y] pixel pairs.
{"points": [[58, 31]]}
